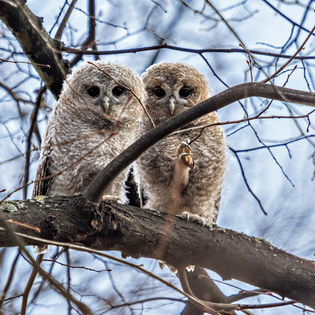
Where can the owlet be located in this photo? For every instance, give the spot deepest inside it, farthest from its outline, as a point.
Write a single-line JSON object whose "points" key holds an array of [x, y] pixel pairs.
{"points": [[195, 170], [95, 119]]}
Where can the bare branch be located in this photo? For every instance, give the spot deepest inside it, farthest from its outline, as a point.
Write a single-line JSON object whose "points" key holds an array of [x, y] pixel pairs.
{"points": [[294, 55], [10, 278], [29, 141], [65, 20], [112, 226], [183, 49], [37, 269]]}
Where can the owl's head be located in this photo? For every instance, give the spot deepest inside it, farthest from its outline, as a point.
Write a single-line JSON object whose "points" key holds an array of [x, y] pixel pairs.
{"points": [[106, 89], [172, 88]]}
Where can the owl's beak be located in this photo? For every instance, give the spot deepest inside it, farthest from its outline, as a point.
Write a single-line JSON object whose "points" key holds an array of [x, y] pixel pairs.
{"points": [[106, 104], [172, 105]]}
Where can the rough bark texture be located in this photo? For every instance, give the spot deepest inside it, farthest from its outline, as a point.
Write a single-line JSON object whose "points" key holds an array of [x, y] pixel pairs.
{"points": [[35, 42], [135, 232]]}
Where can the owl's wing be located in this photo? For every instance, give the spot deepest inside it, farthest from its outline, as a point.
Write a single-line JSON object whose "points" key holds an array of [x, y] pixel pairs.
{"points": [[43, 179]]}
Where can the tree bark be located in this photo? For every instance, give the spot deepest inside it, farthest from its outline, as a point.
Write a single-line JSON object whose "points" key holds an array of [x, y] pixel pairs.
{"points": [[136, 232]]}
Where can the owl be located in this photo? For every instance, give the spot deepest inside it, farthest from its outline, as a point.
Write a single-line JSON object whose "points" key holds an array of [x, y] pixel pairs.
{"points": [[95, 119], [191, 161]]}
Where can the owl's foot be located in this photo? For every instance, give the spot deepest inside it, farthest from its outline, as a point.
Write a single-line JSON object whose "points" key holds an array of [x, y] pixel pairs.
{"points": [[187, 160], [184, 147], [191, 217], [190, 268], [111, 198], [163, 264], [184, 154]]}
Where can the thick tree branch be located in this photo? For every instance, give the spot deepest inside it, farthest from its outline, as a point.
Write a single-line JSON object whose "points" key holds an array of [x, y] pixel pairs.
{"points": [[96, 189], [41, 50], [136, 232]]}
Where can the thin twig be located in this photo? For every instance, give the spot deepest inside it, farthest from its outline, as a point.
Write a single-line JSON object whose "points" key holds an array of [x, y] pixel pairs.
{"points": [[92, 26], [294, 55], [29, 284], [94, 251], [246, 182], [65, 20], [27, 62], [90, 40], [182, 49], [29, 141], [222, 123], [208, 306], [55, 284], [10, 278], [68, 278]]}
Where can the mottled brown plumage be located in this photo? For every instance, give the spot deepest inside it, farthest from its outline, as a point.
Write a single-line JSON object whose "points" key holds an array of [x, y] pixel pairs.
{"points": [[95, 119], [172, 89]]}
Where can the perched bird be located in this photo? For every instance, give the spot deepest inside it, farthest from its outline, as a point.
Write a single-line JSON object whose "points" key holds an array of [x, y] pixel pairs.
{"points": [[183, 173], [95, 119]]}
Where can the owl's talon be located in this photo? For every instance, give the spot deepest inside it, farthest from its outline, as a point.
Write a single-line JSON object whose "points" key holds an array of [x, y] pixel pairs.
{"points": [[187, 159], [185, 215], [111, 198], [191, 217], [162, 264], [184, 147], [184, 154]]}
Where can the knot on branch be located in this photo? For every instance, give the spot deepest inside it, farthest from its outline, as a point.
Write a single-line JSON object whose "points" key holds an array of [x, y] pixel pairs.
{"points": [[84, 219]]}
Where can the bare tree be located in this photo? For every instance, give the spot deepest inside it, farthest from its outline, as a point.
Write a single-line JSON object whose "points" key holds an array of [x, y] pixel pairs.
{"points": [[271, 160]]}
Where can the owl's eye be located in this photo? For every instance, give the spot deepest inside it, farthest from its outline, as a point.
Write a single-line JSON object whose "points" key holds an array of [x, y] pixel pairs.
{"points": [[185, 91], [94, 91], [118, 90], [159, 92]]}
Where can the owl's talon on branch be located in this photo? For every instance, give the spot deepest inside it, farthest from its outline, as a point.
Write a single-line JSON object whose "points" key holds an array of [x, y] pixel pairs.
{"points": [[111, 198], [192, 217], [184, 215], [190, 268]]}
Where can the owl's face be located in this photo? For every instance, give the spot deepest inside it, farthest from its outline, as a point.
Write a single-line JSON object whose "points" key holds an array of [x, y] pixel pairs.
{"points": [[173, 88], [102, 88], [106, 97]]}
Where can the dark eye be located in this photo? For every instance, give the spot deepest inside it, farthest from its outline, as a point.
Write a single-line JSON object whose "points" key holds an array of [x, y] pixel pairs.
{"points": [[159, 92], [184, 91], [118, 90], [94, 91]]}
